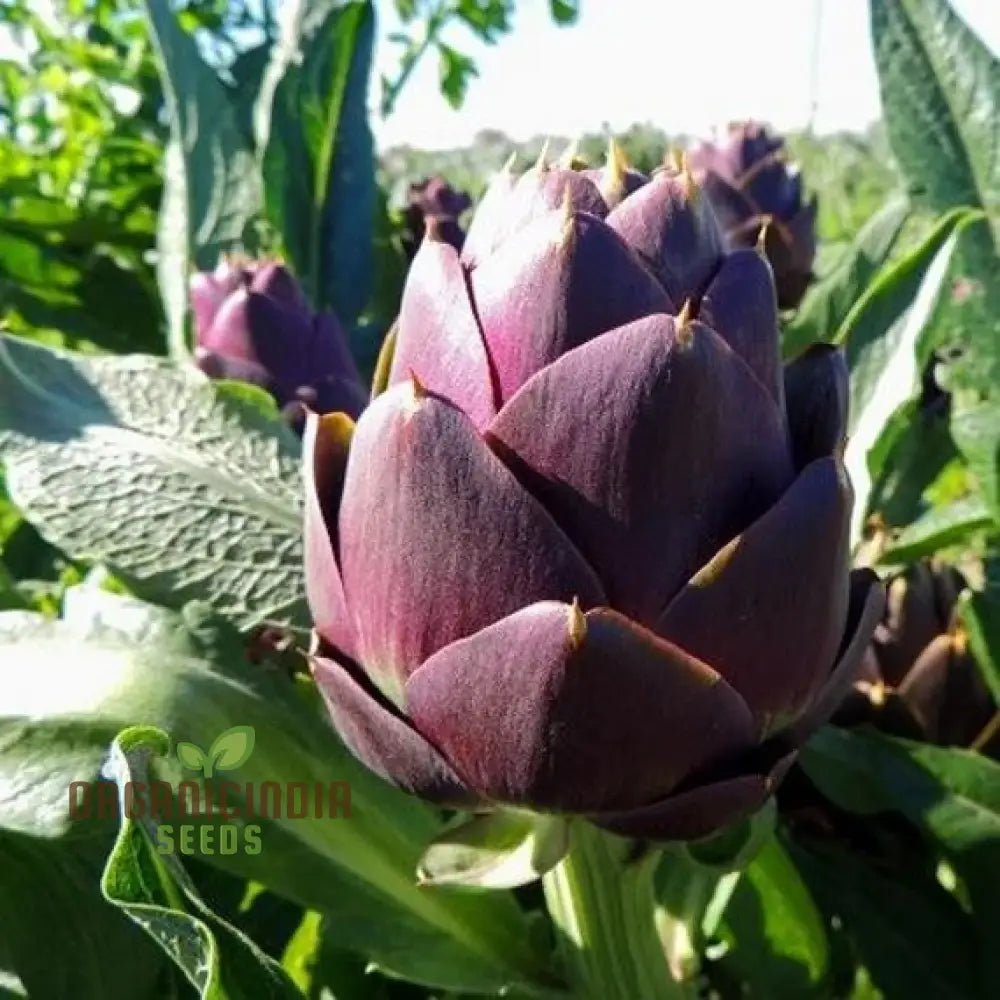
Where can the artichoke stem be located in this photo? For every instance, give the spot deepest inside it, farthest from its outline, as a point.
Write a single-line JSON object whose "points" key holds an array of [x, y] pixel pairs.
{"points": [[602, 903]]}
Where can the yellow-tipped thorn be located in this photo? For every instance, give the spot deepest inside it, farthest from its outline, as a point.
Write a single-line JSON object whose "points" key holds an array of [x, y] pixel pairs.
{"points": [[687, 179], [959, 640], [878, 693], [613, 177], [673, 160], [761, 244], [616, 161], [576, 623], [542, 163], [417, 387], [686, 315], [684, 324], [571, 159]]}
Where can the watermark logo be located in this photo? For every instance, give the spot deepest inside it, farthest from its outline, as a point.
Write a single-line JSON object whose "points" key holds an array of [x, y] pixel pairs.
{"points": [[211, 815], [230, 750]]}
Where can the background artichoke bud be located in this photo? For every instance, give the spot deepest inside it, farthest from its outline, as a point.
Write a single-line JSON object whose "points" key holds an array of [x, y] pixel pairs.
{"points": [[920, 678], [253, 324], [433, 201], [587, 554], [752, 189]]}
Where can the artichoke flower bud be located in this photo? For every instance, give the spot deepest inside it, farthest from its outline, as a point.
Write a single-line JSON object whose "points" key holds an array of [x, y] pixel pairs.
{"points": [[759, 198], [253, 324], [433, 202], [601, 566], [921, 679]]}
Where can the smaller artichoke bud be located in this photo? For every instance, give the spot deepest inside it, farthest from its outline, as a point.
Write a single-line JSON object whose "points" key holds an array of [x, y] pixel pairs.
{"points": [[750, 184], [922, 681], [434, 201], [253, 324]]}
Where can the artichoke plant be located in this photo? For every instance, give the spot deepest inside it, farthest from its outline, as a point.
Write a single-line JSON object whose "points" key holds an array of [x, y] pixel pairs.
{"points": [[588, 553], [919, 677], [434, 202], [252, 323], [750, 185]]}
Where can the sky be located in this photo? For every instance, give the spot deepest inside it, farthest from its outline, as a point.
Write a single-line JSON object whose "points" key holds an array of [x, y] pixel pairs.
{"points": [[687, 66]]}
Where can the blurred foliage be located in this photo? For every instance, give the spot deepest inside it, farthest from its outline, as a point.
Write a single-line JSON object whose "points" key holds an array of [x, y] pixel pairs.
{"points": [[424, 25], [80, 146], [854, 173]]}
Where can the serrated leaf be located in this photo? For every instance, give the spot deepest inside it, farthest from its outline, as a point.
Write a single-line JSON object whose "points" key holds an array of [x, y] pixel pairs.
{"points": [[191, 756], [232, 748], [939, 87], [198, 494], [940, 90]]}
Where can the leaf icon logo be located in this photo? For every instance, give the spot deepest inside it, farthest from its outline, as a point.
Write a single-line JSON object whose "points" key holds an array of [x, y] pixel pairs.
{"points": [[230, 750]]}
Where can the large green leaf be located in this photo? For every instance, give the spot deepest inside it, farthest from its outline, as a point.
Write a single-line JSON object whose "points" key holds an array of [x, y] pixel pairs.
{"points": [[212, 188], [184, 489], [67, 687], [909, 934], [911, 453], [952, 795], [153, 888], [941, 99], [872, 333], [975, 425], [319, 162], [777, 943], [940, 86], [939, 528], [49, 891], [830, 301], [881, 340]]}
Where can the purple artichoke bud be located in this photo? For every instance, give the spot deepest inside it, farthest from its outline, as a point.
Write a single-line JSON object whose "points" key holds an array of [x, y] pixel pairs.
{"points": [[586, 554], [750, 184], [921, 680], [252, 323], [434, 202]]}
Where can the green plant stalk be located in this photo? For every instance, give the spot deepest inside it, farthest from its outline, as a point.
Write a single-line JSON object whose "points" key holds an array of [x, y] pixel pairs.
{"points": [[603, 906]]}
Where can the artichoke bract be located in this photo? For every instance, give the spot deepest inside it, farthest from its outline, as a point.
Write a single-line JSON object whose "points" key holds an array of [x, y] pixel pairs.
{"points": [[588, 553], [434, 202], [919, 678], [750, 184], [253, 324]]}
